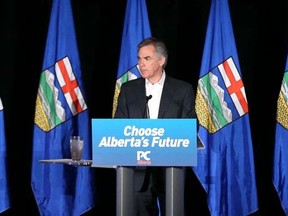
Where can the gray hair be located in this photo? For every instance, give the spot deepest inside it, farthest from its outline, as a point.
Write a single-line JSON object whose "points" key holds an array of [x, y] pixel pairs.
{"points": [[159, 45]]}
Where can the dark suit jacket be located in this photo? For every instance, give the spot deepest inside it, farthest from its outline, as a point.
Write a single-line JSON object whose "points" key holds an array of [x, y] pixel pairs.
{"points": [[177, 101]]}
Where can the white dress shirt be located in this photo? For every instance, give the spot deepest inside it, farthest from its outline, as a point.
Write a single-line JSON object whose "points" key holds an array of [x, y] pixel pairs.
{"points": [[156, 91]]}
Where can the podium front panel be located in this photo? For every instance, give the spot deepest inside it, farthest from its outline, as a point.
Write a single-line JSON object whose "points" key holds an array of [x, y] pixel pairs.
{"points": [[144, 142]]}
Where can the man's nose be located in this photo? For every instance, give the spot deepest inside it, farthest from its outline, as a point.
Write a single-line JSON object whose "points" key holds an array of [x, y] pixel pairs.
{"points": [[140, 62]]}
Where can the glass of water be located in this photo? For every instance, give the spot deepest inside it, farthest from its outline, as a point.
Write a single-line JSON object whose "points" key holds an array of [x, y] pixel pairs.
{"points": [[76, 147]]}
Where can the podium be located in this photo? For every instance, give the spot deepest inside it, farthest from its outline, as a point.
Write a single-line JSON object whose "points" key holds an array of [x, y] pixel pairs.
{"points": [[126, 143]]}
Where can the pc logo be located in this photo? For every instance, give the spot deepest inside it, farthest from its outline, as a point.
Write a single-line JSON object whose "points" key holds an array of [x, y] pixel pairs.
{"points": [[143, 155]]}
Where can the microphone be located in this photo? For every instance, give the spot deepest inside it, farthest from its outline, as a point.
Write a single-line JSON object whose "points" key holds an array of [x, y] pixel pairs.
{"points": [[148, 98], [146, 110]]}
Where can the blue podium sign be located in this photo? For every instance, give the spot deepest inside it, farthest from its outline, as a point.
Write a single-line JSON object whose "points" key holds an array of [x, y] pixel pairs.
{"points": [[144, 142]]}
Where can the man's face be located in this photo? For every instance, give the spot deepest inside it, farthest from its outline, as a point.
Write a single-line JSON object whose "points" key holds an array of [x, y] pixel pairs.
{"points": [[150, 64]]}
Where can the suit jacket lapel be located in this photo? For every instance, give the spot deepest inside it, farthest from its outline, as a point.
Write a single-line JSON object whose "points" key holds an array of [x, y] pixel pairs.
{"points": [[167, 94]]}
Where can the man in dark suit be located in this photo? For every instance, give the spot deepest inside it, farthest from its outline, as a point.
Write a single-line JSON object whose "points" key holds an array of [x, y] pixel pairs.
{"points": [[154, 95]]}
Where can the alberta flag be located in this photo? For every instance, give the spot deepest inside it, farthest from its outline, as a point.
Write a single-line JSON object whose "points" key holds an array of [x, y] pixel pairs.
{"points": [[136, 28], [4, 186], [61, 111], [226, 163], [280, 166]]}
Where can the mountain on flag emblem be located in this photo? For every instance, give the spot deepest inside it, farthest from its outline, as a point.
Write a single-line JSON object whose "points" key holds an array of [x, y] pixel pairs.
{"points": [[59, 96], [221, 96]]}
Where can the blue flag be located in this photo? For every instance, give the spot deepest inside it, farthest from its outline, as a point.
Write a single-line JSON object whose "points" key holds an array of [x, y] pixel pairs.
{"points": [[225, 165], [61, 111], [280, 166], [136, 28], [4, 187]]}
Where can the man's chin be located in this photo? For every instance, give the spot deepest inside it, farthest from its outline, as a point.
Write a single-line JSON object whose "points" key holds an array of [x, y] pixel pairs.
{"points": [[144, 75]]}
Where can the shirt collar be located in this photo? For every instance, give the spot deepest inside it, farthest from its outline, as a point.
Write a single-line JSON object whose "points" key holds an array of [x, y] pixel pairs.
{"points": [[160, 82]]}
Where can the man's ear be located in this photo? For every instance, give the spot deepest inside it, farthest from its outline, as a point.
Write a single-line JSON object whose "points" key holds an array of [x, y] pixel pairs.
{"points": [[162, 60]]}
